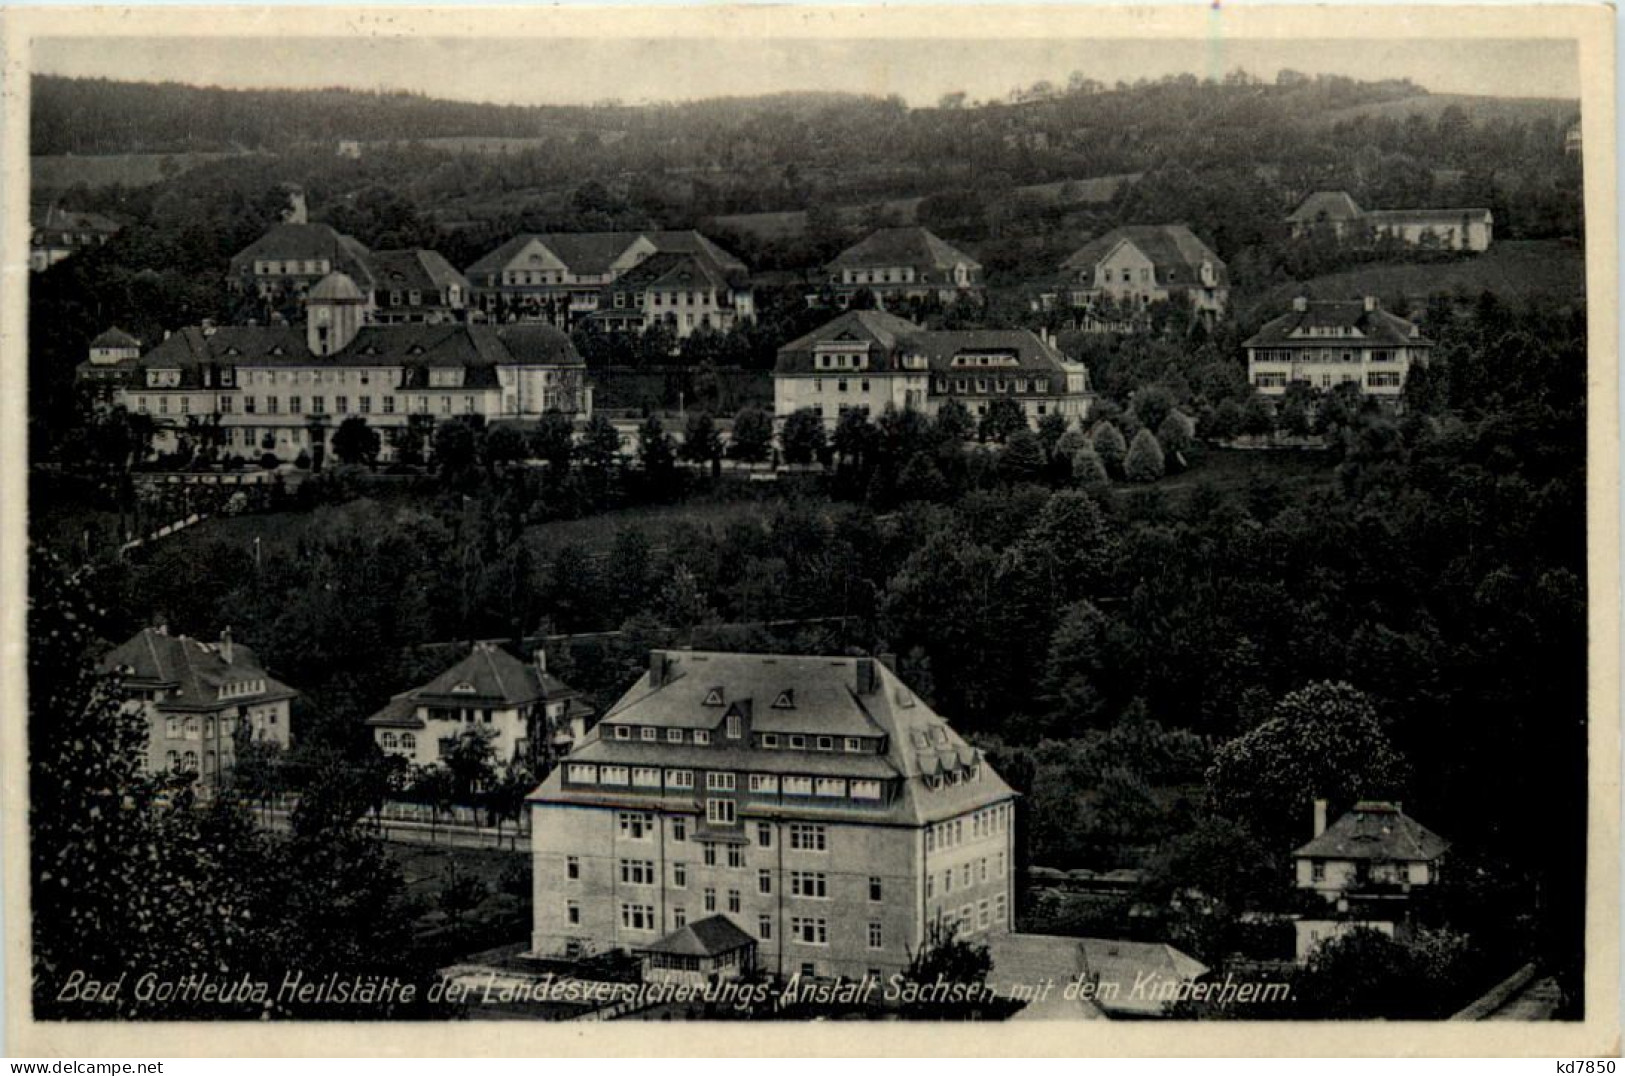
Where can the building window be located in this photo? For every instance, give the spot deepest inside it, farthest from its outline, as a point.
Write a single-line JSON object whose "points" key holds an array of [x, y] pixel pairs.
{"points": [[679, 918], [719, 812], [674, 735], [812, 884], [876, 939], [572, 913], [701, 737], [826, 743], [764, 835], [808, 837], [831, 787], [736, 727], [710, 899], [679, 875], [852, 743], [637, 872], [764, 881], [770, 741], [572, 867], [719, 782], [622, 732], [865, 790], [874, 888], [1317, 871], [733, 901], [798, 786], [708, 851], [649, 733], [638, 917], [736, 855], [645, 777], [679, 778], [810, 931], [764, 927], [636, 825], [764, 783], [679, 830], [798, 742]]}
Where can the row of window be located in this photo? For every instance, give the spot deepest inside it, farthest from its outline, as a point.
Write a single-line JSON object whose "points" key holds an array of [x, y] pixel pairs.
{"points": [[406, 741], [451, 297], [1006, 386], [760, 784], [903, 275], [979, 916], [733, 729], [843, 361], [1266, 379], [968, 874], [805, 930], [1385, 354], [640, 826], [293, 267], [195, 727], [985, 822], [811, 885]]}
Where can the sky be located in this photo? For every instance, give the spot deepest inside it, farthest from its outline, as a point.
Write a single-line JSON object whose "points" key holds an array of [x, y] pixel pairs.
{"points": [[582, 71]]}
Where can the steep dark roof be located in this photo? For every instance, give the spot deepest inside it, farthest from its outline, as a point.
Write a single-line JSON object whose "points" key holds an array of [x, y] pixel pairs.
{"points": [[669, 270], [1168, 246], [308, 242], [592, 253], [115, 337], [901, 246], [1376, 830], [712, 936], [1374, 326], [56, 219], [874, 326], [193, 671], [475, 347], [416, 270], [494, 678], [889, 337], [1332, 205]]}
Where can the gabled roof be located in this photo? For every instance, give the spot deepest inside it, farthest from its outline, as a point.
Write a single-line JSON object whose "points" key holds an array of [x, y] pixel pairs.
{"points": [[416, 270], [873, 326], [308, 242], [712, 936], [912, 246], [488, 677], [889, 337], [1374, 325], [1168, 246], [1331, 205], [54, 218], [414, 346], [192, 671], [1116, 966], [1376, 829], [595, 253], [115, 337], [669, 270]]}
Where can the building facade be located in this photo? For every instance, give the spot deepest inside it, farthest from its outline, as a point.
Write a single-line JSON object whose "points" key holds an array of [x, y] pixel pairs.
{"points": [[815, 802], [523, 706], [200, 700], [870, 360], [1332, 343], [1134, 267], [561, 278], [1442, 229], [61, 233], [683, 292], [284, 390], [1374, 845], [904, 263], [110, 364], [417, 287]]}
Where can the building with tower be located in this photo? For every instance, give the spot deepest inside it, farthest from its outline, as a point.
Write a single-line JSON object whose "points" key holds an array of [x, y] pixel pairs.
{"points": [[816, 803]]}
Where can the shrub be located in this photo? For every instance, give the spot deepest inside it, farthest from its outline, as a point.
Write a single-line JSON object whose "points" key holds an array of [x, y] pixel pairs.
{"points": [[1144, 462]]}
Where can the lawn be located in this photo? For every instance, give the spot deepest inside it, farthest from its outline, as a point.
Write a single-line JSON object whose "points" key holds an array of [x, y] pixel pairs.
{"points": [[1513, 270], [1233, 470]]}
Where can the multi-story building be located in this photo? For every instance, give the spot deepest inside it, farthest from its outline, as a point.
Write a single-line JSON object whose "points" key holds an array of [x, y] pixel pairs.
{"points": [[1331, 343], [418, 286], [904, 263], [110, 364], [1442, 229], [816, 802], [1135, 266], [60, 233], [869, 359], [1376, 844], [284, 389], [200, 700], [281, 266], [683, 292], [521, 705], [562, 277]]}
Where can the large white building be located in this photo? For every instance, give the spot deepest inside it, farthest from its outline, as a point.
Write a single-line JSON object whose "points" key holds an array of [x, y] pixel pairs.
{"points": [[1338, 214], [869, 360], [1330, 343], [1135, 266], [816, 802], [283, 390]]}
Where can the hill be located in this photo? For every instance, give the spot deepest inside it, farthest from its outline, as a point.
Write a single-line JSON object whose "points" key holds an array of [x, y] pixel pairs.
{"points": [[1479, 108]]}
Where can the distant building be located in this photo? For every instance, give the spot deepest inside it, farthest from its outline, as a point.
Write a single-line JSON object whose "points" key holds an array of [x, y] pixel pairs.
{"points": [[869, 359], [418, 286], [61, 233], [283, 390], [349, 149], [291, 258], [520, 703], [110, 364], [1136, 266], [200, 700], [1326, 344], [684, 292], [815, 802], [561, 278], [1440, 229], [904, 263], [1374, 845], [1093, 978]]}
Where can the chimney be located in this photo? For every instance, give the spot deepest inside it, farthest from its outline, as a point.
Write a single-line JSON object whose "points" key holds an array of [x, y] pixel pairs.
{"points": [[658, 662], [1300, 303], [540, 658], [868, 680], [1320, 817], [225, 645], [1370, 303], [890, 661]]}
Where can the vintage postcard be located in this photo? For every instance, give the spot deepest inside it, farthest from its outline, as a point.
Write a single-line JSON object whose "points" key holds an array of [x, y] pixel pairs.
{"points": [[1054, 530]]}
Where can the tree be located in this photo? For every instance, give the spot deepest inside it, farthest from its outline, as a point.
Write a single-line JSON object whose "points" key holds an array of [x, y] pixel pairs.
{"points": [[1004, 417], [1258, 417], [1175, 436], [1023, 457], [505, 444], [752, 439], [1368, 975], [657, 455], [854, 437], [1144, 462], [356, 442], [472, 762], [1324, 741], [954, 422], [600, 449], [1224, 422], [702, 443], [1089, 470], [681, 602], [456, 447], [947, 958], [921, 481], [1152, 404], [1110, 447], [553, 440], [1298, 405], [1051, 428], [803, 436]]}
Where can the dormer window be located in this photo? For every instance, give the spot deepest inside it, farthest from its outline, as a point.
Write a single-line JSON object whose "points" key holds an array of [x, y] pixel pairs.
{"points": [[650, 733], [786, 700], [463, 688], [623, 732], [714, 697], [736, 727], [826, 743]]}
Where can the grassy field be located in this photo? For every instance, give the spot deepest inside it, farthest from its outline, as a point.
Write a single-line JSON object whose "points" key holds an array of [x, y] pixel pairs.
{"points": [[1232, 470], [131, 169], [1480, 108], [1513, 270]]}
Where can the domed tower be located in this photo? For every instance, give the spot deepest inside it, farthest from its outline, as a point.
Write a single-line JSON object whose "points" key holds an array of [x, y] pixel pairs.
{"points": [[335, 310]]}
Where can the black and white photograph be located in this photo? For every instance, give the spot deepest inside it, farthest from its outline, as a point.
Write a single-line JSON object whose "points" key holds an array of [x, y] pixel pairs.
{"points": [[1097, 527]]}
